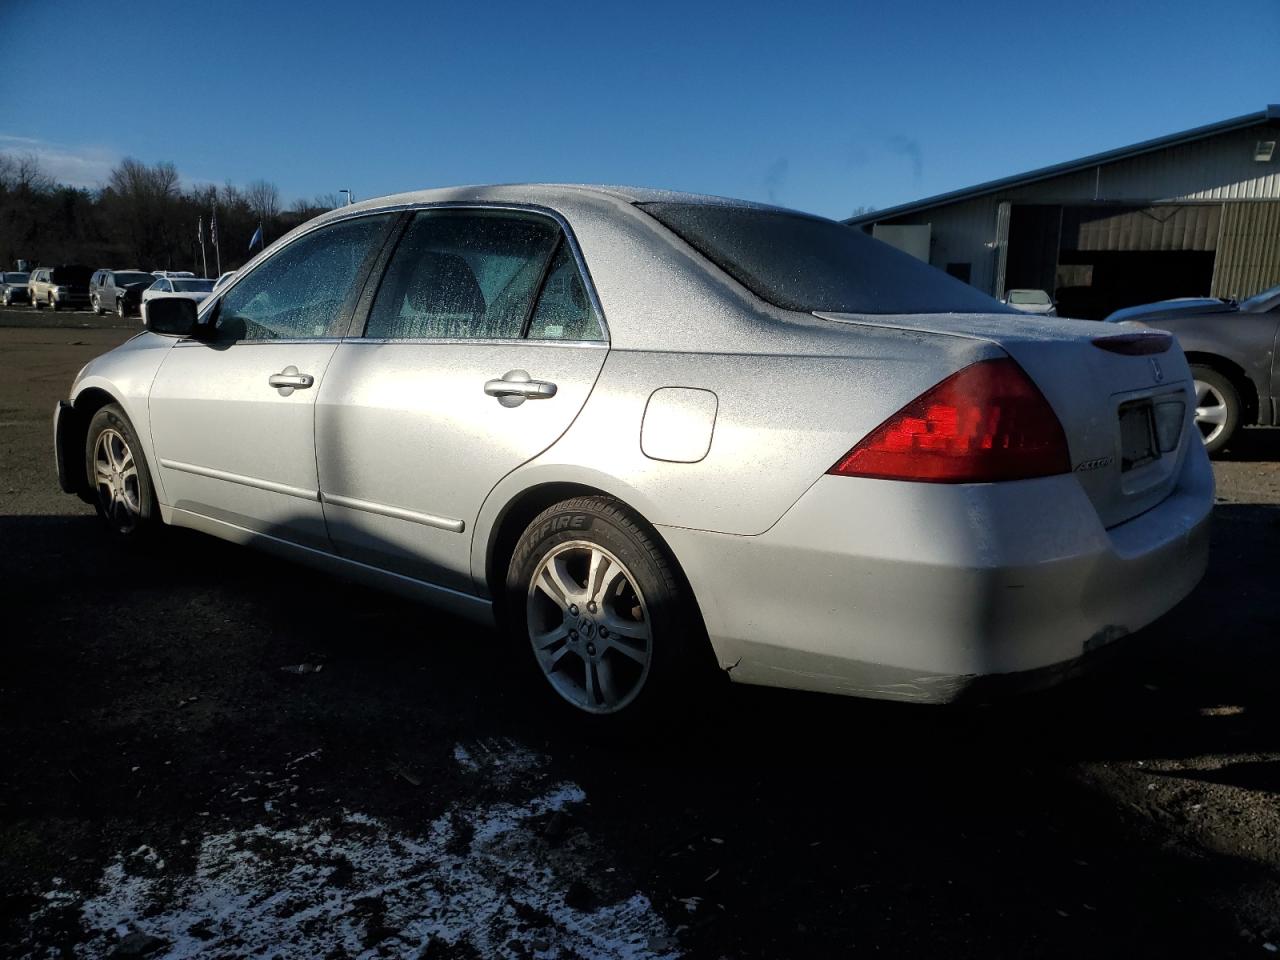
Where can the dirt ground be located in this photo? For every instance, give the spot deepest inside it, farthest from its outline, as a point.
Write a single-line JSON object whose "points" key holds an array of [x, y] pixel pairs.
{"points": [[167, 790]]}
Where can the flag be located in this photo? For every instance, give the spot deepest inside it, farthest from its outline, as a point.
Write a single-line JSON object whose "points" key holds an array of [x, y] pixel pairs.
{"points": [[213, 228], [256, 238]]}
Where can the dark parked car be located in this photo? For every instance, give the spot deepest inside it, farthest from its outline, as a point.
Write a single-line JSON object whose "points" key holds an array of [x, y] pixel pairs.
{"points": [[13, 288], [1232, 350], [58, 287], [118, 290]]}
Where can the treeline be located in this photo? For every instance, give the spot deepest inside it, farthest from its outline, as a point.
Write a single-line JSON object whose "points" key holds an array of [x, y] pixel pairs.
{"points": [[143, 217]]}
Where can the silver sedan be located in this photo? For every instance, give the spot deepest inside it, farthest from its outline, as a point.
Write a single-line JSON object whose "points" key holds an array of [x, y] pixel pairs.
{"points": [[652, 434]]}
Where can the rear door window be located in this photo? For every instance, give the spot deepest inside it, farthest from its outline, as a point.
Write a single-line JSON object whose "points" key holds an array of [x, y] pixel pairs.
{"points": [[463, 275]]}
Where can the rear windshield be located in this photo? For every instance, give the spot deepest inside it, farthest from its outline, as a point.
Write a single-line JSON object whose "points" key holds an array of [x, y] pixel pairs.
{"points": [[192, 286], [799, 262], [71, 276], [15, 278], [125, 279]]}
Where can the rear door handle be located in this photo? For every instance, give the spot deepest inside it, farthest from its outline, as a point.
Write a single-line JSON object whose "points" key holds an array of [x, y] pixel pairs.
{"points": [[289, 379], [516, 386]]}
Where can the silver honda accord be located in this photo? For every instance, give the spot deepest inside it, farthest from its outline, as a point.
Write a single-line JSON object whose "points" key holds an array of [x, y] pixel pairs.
{"points": [[647, 434]]}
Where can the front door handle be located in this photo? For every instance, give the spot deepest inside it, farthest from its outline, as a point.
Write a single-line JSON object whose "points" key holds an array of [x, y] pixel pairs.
{"points": [[289, 379], [516, 386]]}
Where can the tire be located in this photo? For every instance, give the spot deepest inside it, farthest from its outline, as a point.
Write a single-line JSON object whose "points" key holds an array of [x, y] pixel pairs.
{"points": [[117, 473], [121, 312], [34, 302], [95, 306], [623, 656], [7, 300], [53, 304], [1217, 407]]}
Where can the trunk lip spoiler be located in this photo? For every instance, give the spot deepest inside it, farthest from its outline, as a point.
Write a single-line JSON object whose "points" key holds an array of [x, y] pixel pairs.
{"points": [[1135, 344]]}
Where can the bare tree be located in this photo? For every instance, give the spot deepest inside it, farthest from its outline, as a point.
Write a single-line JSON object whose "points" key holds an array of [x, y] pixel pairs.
{"points": [[264, 199], [22, 172]]}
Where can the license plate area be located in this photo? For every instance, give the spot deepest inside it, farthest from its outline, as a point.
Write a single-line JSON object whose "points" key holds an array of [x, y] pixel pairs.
{"points": [[1138, 443]]}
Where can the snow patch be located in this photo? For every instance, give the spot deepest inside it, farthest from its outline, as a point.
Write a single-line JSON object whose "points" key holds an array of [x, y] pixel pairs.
{"points": [[481, 875]]}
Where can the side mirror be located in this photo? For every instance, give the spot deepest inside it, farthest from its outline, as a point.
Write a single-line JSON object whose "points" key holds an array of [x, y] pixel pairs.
{"points": [[171, 316]]}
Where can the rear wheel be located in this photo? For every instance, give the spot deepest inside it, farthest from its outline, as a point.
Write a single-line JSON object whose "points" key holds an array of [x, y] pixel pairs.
{"points": [[603, 615], [117, 473], [121, 312], [95, 305], [1217, 407], [35, 302]]}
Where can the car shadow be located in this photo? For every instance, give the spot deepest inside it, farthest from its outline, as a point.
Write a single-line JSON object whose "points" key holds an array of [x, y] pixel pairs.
{"points": [[1253, 444], [138, 686]]}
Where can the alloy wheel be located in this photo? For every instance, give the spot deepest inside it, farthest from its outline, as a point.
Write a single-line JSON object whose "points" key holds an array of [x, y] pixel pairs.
{"points": [[589, 627], [115, 473], [1211, 411]]}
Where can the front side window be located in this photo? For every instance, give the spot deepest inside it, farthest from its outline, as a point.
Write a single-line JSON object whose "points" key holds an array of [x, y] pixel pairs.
{"points": [[304, 291], [463, 275]]}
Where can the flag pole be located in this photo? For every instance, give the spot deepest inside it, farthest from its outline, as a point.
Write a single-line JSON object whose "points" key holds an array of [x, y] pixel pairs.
{"points": [[204, 259], [217, 248]]}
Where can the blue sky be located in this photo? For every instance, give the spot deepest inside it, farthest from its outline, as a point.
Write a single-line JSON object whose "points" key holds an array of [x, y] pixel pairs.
{"points": [[822, 107]]}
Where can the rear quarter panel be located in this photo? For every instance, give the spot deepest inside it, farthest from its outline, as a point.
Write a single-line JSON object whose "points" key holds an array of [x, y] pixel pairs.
{"points": [[781, 423], [1247, 340]]}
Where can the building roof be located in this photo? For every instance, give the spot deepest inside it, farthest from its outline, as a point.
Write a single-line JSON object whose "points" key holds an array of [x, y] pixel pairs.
{"points": [[1270, 114]]}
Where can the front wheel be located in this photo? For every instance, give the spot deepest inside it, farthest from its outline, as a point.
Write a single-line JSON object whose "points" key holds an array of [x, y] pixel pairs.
{"points": [[1217, 407], [53, 304], [121, 312], [604, 615], [117, 473]]}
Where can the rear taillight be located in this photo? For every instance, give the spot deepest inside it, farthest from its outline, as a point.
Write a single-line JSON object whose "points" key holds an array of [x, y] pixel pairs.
{"points": [[987, 422]]}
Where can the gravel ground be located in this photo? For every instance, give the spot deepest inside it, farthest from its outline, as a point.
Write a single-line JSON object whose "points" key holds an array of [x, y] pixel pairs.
{"points": [[166, 790]]}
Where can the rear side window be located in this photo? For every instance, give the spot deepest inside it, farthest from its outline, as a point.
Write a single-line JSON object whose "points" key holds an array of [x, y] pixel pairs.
{"points": [[304, 291], [564, 311], [463, 275], [799, 262]]}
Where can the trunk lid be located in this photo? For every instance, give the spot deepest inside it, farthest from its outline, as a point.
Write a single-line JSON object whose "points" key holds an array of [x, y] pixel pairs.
{"points": [[1115, 407]]}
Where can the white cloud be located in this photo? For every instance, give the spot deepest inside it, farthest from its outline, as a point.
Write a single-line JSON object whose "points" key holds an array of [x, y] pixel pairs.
{"points": [[77, 166]]}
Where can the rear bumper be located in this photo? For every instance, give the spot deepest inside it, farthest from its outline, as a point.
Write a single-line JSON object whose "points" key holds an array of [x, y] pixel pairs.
{"points": [[930, 592]]}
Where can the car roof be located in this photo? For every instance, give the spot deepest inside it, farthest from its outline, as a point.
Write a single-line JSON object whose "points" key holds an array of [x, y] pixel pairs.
{"points": [[549, 194]]}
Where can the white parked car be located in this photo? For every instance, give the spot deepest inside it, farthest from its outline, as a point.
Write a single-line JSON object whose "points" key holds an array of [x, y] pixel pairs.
{"points": [[1031, 301]]}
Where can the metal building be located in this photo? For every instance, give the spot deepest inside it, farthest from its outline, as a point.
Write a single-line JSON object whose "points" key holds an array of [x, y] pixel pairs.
{"points": [[1192, 214]]}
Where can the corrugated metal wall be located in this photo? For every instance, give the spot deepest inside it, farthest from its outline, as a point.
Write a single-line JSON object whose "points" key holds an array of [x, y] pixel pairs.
{"points": [[1165, 227], [1248, 250], [1220, 168]]}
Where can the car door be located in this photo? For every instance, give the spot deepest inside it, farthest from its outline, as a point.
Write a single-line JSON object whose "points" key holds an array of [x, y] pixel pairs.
{"points": [[480, 347], [232, 413]]}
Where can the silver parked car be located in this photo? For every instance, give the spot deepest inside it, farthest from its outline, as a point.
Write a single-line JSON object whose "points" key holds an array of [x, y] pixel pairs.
{"points": [[647, 432]]}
